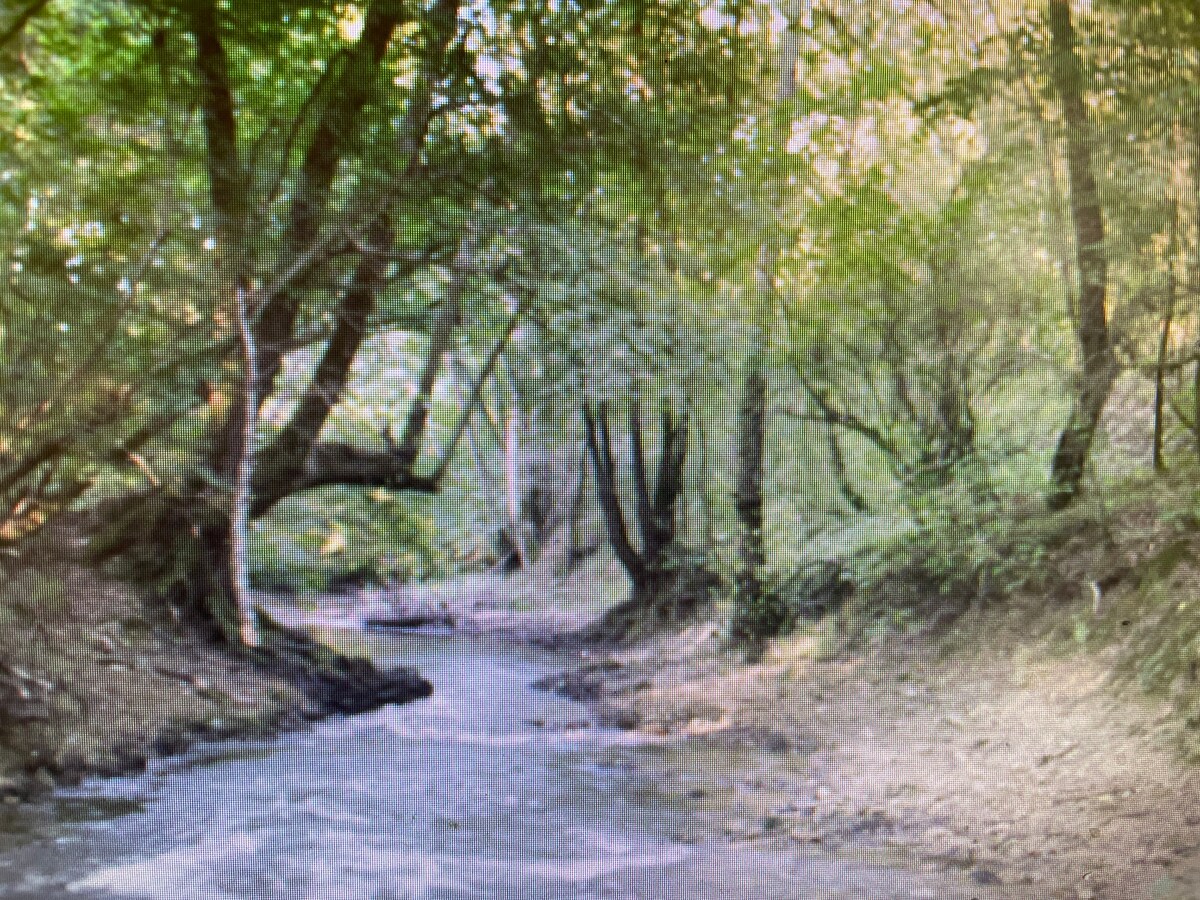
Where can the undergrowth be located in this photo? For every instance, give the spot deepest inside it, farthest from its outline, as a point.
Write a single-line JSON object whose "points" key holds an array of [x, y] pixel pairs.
{"points": [[1116, 573]]}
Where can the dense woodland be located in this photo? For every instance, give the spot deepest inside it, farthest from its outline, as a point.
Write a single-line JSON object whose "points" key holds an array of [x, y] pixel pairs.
{"points": [[746, 291]]}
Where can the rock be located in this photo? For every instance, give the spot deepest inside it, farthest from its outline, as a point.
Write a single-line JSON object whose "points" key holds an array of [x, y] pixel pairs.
{"points": [[580, 684], [618, 717], [71, 764], [357, 686], [15, 787], [128, 757], [170, 741], [985, 877]]}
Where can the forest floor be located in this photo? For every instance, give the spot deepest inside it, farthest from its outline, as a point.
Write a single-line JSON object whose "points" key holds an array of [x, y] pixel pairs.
{"points": [[995, 745]]}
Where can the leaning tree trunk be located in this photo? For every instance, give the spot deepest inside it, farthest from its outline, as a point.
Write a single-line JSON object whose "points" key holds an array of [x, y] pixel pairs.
{"points": [[1098, 366], [267, 316]]}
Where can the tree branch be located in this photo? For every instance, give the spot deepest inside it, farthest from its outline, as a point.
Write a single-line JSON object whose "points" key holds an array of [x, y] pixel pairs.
{"points": [[474, 400], [447, 320], [284, 460], [23, 18]]}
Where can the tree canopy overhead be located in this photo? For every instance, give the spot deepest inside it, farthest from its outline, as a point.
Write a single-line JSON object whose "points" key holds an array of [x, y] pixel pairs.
{"points": [[877, 259]]}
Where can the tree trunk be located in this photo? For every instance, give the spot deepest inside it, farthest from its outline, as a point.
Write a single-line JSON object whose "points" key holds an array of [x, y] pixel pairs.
{"points": [[574, 516], [227, 186], [1164, 344], [599, 444], [704, 490], [266, 317], [1098, 366], [661, 587], [514, 482], [754, 612], [243, 490]]}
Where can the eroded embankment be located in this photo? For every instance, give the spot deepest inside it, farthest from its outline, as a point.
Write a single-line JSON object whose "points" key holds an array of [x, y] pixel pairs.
{"points": [[96, 679]]}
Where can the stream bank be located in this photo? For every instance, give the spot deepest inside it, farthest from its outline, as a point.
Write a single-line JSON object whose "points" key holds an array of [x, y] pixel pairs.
{"points": [[977, 750], [96, 679], [457, 797], [999, 764]]}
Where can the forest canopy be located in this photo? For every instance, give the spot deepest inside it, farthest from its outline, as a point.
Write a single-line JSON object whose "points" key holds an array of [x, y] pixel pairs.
{"points": [[735, 286]]}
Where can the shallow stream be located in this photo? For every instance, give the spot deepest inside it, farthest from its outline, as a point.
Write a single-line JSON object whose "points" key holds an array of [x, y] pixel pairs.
{"points": [[490, 789]]}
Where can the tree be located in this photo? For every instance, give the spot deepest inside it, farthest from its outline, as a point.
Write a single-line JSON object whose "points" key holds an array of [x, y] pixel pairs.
{"points": [[314, 177], [1098, 365], [663, 585], [758, 613]]}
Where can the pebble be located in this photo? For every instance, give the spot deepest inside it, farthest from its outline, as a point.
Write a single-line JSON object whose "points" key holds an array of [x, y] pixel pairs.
{"points": [[985, 876]]}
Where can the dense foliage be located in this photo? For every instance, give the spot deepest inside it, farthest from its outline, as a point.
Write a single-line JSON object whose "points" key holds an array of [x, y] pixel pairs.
{"points": [[387, 289]]}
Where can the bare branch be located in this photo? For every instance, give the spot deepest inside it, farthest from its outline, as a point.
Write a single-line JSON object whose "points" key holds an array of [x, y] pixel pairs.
{"points": [[474, 400]]}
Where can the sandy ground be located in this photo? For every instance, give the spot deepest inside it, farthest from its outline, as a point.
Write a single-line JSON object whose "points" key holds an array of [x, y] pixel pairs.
{"points": [[1020, 766]]}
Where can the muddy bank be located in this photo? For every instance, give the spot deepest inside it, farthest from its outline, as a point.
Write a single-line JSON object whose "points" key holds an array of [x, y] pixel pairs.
{"points": [[976, 751], [96, 680]]}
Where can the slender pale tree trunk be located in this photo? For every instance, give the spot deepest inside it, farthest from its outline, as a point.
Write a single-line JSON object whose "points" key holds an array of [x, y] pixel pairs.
{"points": [[514, 481], [516, 488], [243, 488]]}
